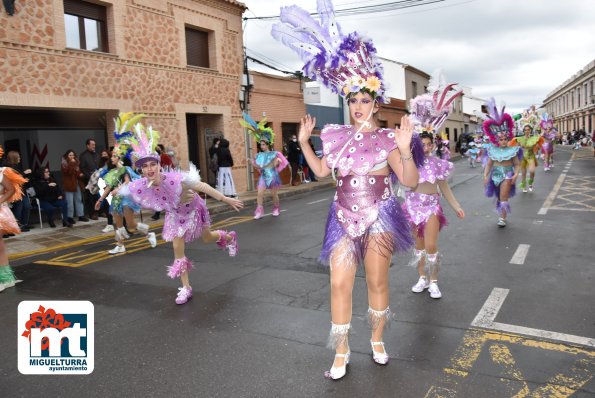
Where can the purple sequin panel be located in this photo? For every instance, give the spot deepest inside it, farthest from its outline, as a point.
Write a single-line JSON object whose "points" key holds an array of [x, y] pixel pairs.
{"points": [[357, 201], [357, 153], [434, 169]]}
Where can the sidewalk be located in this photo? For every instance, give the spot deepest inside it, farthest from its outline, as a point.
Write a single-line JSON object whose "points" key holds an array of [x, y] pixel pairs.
{"points": [[46, 239]]}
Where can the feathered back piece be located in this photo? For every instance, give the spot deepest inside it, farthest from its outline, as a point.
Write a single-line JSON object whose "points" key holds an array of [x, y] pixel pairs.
{"points": [[259, 130], [141, 141], [546, 121], [498, 123], [431, 110], [347, 64], [529, 118]]}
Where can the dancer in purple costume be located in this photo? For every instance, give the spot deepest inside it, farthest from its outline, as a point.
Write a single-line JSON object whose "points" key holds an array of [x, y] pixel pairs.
{"points": [[549, 134], [186, 214], [502, 168], [422, 203], [365, 222]]}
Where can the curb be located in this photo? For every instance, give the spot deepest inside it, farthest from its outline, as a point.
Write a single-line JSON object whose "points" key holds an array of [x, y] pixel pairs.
{"points": [[213, 206]]}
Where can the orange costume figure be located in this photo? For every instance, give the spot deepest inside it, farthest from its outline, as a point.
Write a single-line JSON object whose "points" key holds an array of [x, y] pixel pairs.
{"points": [[11, 190]]}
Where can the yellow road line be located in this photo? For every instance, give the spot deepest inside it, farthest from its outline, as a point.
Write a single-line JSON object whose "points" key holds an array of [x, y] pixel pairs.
{"points": [[80, 258], [560, 385]]}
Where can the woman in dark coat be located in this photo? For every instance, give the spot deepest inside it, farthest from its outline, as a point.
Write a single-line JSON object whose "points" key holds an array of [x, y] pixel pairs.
{"points": [[51, 197]]}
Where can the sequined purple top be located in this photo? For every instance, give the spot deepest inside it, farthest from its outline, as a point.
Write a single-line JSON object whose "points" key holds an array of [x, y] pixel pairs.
{"points": [[433, 169], [357, 153]]}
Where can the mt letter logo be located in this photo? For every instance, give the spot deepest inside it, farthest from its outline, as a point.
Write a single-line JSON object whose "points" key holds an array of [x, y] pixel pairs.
{"points": [[56, 337]]}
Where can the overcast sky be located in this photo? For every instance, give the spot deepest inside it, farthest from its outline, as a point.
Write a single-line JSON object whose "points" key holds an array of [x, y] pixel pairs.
{"points": [[515, 50]]}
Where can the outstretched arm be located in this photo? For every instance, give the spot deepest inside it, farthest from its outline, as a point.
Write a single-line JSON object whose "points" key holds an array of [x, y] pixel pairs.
{"points": [[318, 166], [8, 192], [212, 192], [450, 198]]}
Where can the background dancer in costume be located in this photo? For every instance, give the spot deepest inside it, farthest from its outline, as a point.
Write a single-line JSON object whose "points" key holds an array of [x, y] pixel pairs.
{"points": [[549, 134], [186, 214], [268, 162], [473, 154], [11, 190], [123, 207], [365, 222], [502, 168], [422, 203], [442, 147], [530, 144]]}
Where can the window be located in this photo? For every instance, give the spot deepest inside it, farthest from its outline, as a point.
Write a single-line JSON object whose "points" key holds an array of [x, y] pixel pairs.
{"points": [[413, 89], [85, 25], [197, 48]]}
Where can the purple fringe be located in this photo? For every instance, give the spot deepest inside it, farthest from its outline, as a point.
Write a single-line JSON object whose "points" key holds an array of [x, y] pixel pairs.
{"points": [[179, 266], [392, 220], [501, 206], [493, 190], [417, 150], [422, 226]]}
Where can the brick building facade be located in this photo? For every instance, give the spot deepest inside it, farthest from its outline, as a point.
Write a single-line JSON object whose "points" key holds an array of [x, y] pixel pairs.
{"points": [[69, 66]]}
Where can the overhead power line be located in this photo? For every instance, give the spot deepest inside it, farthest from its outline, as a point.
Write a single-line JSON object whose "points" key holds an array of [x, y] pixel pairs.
{"points": [[375, 8]]}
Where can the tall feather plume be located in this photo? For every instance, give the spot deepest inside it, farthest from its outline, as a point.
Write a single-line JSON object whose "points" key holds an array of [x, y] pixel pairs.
{"points": [[297, 41], [327, 17], [302, 21]]}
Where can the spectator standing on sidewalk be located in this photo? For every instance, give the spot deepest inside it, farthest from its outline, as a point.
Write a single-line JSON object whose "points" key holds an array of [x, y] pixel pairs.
{"points": [[95, 186], [51, 197], [167, 165], [72, 177], [293, 155], [20, 208], [89, 160], [225, 183]]}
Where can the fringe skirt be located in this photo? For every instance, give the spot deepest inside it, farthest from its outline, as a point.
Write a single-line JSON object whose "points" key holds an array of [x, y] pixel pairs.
{"points": [[391, 232]]}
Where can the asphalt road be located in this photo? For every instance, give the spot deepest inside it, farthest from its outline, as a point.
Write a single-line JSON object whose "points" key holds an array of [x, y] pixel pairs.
{"points": [[258, 323]]}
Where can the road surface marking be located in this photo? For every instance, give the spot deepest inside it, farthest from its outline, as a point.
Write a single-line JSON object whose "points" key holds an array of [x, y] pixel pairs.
{"points": [[550, 199], [465, 361], [520, 254], [318, 201], [486, 316]]}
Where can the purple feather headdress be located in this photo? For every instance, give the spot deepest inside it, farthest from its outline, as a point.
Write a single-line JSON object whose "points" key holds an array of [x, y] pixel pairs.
{"points": [[498, 123], [344, 63], [546, 121], [429, 111]]}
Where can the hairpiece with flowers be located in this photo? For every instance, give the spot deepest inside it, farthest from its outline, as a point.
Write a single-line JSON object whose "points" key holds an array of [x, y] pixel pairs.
{"points": [[430, 110], [347, 64], [529, 118], [498, 123], [546, 122], [259, 130]]}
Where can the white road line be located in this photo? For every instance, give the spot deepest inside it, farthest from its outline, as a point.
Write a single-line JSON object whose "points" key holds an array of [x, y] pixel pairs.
{"points": [[318, 201], [490, 308], [487, 314], [550, 198], [270, 214], [520, 254]]}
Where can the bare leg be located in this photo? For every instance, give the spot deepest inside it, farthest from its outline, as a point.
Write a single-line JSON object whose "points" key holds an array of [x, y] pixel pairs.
{"points": [[179, 246], [342, 279], [130, 221], [377, 263], [505, 187], [260, 196], [3, 253], [275, 193], [420, 246], [431, 233]]}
